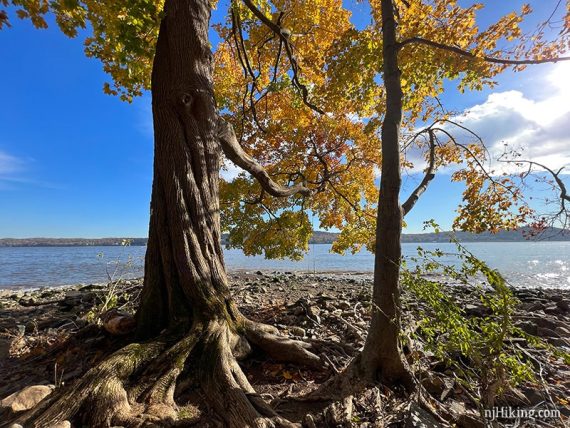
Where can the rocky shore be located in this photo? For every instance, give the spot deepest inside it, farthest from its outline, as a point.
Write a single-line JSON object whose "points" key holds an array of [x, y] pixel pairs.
{"points": [[51, 336]]}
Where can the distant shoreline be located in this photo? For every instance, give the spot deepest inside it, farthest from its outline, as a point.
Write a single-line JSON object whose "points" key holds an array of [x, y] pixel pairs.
{"points": [[498, 241], [319, 237]]}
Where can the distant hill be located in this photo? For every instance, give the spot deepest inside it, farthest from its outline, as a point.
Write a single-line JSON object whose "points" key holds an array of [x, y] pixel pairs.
{"points": [[70, 242], [522, 234], [319, 237], [323, 237]]}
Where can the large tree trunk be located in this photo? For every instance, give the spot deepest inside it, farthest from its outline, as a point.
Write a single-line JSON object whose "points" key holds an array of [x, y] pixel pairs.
{"points": [[187, 318], [184, 269], [381, 357]]}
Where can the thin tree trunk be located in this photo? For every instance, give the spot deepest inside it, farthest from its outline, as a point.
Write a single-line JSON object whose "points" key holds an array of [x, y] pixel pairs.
{"points": [[381, 357]]}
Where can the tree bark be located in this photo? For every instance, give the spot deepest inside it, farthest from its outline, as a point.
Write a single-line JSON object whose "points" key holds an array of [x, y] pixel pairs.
{"points": [[187, 321], [381, 357], [184, 269]]}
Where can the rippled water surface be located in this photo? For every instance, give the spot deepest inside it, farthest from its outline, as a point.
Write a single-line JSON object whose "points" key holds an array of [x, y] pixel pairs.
{"points": [[524, 264]]}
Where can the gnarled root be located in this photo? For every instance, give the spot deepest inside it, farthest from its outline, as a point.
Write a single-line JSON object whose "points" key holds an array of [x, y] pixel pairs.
{"points": [[136, 385], [101, 388], [351, 386], [227, 387], [280, 348]]}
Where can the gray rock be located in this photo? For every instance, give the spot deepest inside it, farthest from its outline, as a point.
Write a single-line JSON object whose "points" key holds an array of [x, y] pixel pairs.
{"points": [[552, 310], [5, 344], [297, 331], [26, 398], [298, 310], [528, 327], [533, 396], [534, 306], [62, 424], [476, 310], [562, 332], [546, 332], [544, 322], [558, 341], [74, 299], [469, 421], [313, 311], [27, 301], [420, 418], [434, 385]]}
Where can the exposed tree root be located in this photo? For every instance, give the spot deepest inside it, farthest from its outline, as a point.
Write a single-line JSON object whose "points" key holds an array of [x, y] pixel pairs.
{"points": [[101, 388], [267, 338], [227, 387], [351, 386], [136, 386]]}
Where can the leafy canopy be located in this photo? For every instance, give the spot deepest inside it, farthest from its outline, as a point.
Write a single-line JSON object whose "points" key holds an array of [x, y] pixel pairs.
{"points": [[338, 153], [266, 84], [121, 34]]}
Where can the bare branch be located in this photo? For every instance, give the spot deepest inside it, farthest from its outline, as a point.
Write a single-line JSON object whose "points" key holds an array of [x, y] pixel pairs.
{"points": [[430, 172], [358, 210], [472, 155], [470, 55], [428, 177], [243, 57], [234, 152], [564, 196], [284, 36]]}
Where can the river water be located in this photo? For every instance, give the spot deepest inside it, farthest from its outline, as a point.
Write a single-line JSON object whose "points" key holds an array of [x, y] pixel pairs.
{"points": [[524, 264]]}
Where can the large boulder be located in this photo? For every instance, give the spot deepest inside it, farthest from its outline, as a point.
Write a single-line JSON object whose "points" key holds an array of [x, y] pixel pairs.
{"points": [[26, 398]]}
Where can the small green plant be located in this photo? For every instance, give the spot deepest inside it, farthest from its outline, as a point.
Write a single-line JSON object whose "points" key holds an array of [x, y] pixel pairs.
{"points": [[111, 297], [476, 348]]}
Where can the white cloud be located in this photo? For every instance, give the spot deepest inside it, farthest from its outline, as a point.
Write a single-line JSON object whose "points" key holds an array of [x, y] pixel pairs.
{"points": [[539, 128], [14, 172], [9, 165], [10, 170]]}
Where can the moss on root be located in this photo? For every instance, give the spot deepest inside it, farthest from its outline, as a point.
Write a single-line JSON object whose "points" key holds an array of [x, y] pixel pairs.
{"points": [[136, 384]]}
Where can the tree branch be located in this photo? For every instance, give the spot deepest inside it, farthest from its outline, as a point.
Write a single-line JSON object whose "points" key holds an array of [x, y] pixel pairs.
{"points": [[428, 177], [470, 55], [285, 36], [234, 152], [247, 69], [560, 218], [564, 196]]}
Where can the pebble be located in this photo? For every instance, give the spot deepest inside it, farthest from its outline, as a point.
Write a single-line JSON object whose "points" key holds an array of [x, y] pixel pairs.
{"points": [[297, 331]]}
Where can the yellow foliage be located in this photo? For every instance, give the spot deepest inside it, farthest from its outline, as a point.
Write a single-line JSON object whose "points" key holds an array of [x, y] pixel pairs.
{"points": [[337, 154]]}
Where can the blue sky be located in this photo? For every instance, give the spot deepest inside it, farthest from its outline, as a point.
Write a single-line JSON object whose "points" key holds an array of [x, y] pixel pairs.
{"points": [[77, 163]]}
